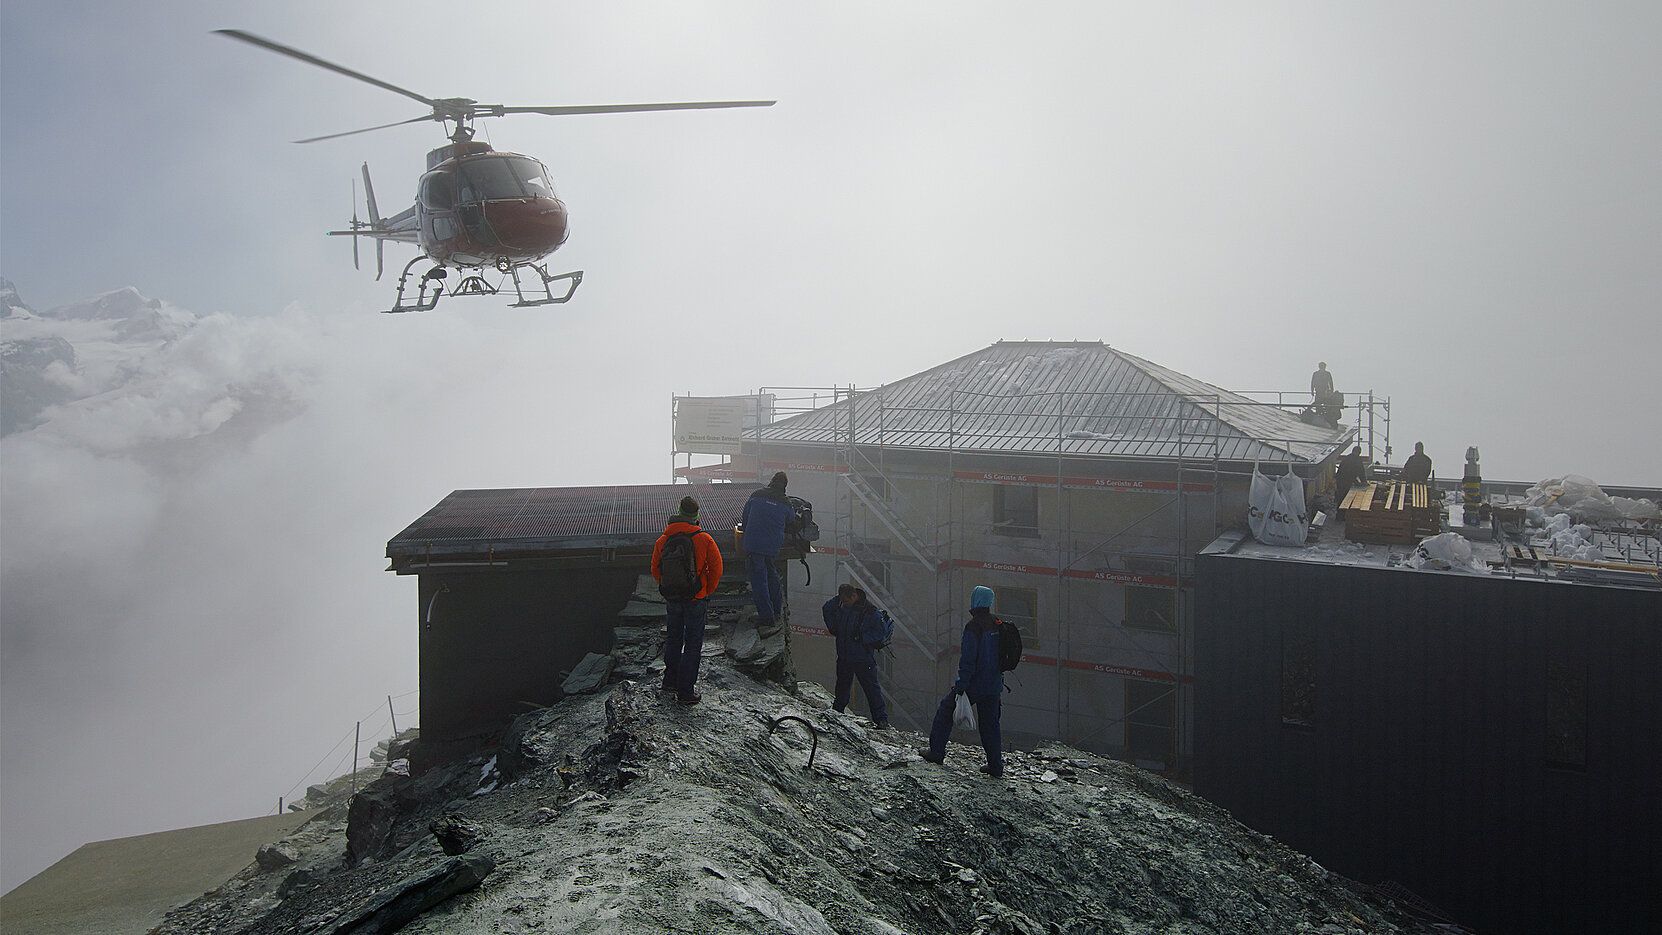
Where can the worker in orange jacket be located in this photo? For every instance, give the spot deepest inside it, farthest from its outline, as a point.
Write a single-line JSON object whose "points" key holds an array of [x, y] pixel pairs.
{"points": [[686, 563]]}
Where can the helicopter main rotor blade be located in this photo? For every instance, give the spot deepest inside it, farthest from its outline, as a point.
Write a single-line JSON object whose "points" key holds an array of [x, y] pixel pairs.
{"points": [[421, 119], [622, 108], [314, 60]]}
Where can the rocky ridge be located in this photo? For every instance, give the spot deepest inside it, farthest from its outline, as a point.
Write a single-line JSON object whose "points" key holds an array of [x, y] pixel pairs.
{"points": [[759, 810]]}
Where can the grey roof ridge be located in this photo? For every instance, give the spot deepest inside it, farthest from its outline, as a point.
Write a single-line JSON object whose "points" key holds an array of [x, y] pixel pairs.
{"points": [[1334, 441], [1189, 390]]}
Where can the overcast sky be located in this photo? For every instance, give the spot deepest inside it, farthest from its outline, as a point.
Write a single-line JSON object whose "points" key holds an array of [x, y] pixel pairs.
{"points": [[1454, 206]]}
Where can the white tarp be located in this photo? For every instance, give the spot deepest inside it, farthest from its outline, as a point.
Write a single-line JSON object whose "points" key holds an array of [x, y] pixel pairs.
{"points": [[1586, 502], [1275, 509], [1447, 551]]}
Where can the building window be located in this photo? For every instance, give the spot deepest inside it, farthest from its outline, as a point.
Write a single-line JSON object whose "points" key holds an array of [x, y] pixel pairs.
{"points": [[1019, 606], [1151, 608], [1016, 511], [1566, 716], [1150, 720], [1298, 680]]}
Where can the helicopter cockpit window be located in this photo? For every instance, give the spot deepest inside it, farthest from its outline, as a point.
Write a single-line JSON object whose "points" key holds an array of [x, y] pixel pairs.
{"points": [[504, 177], [534, 178], [438, 191]]}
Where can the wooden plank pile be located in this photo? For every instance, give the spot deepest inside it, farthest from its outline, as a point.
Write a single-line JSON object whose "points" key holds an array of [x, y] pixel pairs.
{"points": [[1390, 513]]}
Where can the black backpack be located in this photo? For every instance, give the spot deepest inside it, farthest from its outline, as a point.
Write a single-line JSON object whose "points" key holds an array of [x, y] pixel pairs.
{"points": [[803, 529], [1009, 646], [678, 568], [801, 532]]}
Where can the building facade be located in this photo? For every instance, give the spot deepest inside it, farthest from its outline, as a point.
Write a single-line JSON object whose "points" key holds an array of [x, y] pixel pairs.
{"points": [[1075, 480]]}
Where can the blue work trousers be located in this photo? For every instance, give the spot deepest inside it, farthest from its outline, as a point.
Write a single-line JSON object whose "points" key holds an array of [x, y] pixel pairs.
{"points": [[986, 716], [763, 571], [683, 643], [866, 672]]}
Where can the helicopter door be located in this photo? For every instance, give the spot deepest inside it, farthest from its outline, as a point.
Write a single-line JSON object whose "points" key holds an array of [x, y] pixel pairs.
{"points": [[438, 201]]}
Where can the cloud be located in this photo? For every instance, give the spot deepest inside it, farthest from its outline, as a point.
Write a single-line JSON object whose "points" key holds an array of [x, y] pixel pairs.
{"points": [[193, 574]]}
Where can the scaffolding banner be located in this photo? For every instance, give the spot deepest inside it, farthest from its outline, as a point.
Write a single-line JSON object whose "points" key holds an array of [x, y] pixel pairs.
{"points": [[789, 466], [1117, 577], [1127, 484], [1104, 668]]}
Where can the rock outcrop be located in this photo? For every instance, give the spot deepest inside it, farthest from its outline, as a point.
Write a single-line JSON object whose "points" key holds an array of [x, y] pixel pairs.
{"points": [[621, 811]]}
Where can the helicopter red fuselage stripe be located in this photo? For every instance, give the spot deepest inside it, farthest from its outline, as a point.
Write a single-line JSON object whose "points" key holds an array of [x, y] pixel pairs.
{"points": [[522, 230]]}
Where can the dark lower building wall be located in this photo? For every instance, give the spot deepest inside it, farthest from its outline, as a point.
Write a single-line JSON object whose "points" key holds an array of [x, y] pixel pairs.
{"points": [[1491, 744], [496, 641]]}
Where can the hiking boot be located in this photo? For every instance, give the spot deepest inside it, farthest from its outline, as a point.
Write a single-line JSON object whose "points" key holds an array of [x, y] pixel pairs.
{"points": [[882, 724], [930, 757], [765, 628], [687, 698], [988, 769]]}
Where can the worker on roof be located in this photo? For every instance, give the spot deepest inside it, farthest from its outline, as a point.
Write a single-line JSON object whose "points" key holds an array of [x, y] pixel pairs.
{"points": [[1321, 383], [1352, 470], [1324, 401], [1417, 469]]}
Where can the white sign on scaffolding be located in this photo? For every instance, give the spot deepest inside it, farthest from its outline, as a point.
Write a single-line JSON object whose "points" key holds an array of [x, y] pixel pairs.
{"points": [[714, 425]]}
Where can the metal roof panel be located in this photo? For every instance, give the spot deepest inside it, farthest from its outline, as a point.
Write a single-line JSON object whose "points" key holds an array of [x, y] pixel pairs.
{"points": [[1076, 398], [539, 518]]}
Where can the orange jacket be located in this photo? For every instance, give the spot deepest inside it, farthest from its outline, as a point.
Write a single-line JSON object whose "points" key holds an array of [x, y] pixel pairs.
{"points": [[705, 552]]}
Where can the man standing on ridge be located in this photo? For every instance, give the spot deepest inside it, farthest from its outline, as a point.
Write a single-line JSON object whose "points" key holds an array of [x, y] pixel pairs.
{"points": [[1321, 391], [854, 622], [686, 563], [767, 518], [1321, 384], [980, 677]]}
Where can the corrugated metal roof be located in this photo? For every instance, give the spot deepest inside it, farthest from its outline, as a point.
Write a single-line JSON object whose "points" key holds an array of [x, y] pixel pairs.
{"points": [[531, 519], [1084, 399]]}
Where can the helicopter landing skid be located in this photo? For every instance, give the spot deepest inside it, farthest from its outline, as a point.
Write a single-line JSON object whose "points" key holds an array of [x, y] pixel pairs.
{"points": [[428, 293], [574, 279], [430, 288]]}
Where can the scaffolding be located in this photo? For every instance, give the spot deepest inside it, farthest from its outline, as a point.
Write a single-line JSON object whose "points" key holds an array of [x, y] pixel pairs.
{"points": [[896, 517]]}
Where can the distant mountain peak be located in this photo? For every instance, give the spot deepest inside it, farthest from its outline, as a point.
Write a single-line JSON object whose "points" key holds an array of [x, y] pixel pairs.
{"points": [[78, 351], [134, 315], [11, 304]]}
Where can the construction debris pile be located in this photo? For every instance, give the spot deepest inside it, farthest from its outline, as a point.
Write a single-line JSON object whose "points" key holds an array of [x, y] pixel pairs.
{"points": [[759, 810], [1584, 501]]}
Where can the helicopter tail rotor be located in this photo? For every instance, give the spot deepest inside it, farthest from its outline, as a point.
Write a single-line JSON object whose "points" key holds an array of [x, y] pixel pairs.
{"points": [[374, 220], [355, 223]]}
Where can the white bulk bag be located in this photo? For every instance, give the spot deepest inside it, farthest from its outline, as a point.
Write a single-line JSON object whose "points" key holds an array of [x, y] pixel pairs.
{"points": [[1275, 509]]}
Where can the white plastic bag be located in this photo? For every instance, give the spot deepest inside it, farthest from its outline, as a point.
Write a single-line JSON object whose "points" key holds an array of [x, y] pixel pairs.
{"points": [[1447, 551], [964, 716], [1275, 509]]}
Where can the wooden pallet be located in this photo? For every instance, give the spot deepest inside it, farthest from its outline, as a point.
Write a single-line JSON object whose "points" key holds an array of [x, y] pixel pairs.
{"points": [[1390, 513]]}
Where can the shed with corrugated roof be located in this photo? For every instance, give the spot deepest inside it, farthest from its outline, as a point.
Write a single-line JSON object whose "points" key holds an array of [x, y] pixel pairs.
{"points": [[516, 586]]}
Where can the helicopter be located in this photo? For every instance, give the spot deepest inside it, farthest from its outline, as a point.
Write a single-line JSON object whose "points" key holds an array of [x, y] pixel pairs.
{"points": [[475, 207]]}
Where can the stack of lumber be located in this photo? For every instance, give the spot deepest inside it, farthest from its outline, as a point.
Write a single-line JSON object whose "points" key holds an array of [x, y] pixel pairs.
{"points": [[1390, 513]]}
